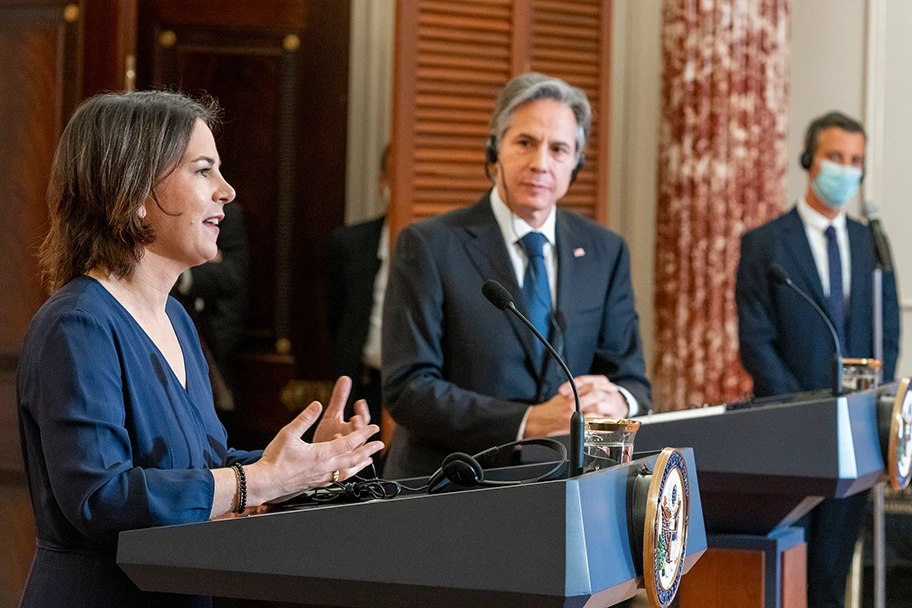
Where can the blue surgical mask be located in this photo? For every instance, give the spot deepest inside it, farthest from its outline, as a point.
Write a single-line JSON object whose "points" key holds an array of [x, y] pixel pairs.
{"points": [[835, 184]]}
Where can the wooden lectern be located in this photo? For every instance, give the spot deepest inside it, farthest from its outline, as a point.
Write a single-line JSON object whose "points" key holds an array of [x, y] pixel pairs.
{"points": [[556, 543]]}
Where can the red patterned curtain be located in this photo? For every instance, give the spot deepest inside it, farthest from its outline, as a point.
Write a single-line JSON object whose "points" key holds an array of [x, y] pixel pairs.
{"points": [[722, 166]]}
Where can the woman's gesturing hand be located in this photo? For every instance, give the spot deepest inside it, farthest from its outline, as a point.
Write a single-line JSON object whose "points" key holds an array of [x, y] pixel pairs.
{"points": [[333, 423], [290, 465]]}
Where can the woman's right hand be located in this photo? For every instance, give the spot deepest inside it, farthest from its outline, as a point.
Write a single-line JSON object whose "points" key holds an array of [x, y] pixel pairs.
{"points": [[290, 465]]}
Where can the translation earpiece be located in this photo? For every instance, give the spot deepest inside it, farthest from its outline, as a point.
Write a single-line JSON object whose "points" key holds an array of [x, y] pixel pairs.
{"points": [[467, 471], [462, 469], [491, 150]]}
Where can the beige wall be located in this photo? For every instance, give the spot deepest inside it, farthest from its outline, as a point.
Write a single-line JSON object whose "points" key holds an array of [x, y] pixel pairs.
{"points": [[890, 99], [370, 84], [636, 71], [828, 70]]}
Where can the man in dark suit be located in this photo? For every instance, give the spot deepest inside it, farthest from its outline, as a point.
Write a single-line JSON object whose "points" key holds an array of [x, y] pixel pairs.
{"points": [[784, 344], [357, 272], [459, 375]]}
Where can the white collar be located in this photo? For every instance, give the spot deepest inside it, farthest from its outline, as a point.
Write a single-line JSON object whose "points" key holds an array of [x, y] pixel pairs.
{"points": [[814, 220], [514, 227]]}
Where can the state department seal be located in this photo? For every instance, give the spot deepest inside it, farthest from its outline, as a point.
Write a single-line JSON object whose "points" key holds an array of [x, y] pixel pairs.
{"points": [[665, 534], [900, 443]]}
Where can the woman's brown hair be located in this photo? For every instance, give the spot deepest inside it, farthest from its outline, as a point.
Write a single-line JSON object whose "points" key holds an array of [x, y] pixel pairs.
{"points": [[113, 153]]}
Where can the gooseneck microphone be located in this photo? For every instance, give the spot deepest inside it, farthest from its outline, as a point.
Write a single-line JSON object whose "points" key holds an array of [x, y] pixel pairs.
{"points": [[781, 277], [498, 295], [881, 243]]}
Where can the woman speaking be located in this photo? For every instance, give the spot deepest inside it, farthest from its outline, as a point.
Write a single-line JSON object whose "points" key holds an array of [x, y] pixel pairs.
{"points": [[115, 407]]}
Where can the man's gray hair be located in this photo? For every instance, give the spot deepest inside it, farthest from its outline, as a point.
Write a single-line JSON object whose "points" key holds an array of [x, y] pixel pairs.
{"points": [[533, 86]]}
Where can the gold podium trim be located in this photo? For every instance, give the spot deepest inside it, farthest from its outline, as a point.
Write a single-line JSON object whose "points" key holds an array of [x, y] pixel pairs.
{"points": [[899, 451]]}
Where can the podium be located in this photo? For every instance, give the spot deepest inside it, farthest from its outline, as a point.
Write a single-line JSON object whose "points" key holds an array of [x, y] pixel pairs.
{"points": [[556, 543], [762, 467]]}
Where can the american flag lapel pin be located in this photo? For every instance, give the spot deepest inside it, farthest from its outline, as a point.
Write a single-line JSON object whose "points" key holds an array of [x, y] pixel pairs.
{"points": [[579, 252]]}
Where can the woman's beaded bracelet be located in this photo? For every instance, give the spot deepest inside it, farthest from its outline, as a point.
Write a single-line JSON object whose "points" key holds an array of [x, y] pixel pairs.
{"points": [[241, 496]]}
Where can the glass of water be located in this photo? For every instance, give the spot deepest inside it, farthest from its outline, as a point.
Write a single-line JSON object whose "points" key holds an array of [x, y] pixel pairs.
{"points": [[608, 442], [860, 374]]}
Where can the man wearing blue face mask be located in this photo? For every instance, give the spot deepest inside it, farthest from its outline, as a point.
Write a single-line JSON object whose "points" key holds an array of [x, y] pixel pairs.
{"points": [[786, 347]]}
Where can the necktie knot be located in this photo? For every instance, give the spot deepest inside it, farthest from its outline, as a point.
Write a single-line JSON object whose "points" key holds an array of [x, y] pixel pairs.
{"points": [[830, 233], [533, 244]]}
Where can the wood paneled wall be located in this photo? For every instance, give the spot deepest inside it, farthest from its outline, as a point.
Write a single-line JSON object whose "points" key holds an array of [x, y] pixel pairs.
{"points": [[451, 60], [39, 67]]}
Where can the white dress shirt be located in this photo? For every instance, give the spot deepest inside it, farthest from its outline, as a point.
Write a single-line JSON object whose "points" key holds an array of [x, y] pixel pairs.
{"points": [[371, 353]]}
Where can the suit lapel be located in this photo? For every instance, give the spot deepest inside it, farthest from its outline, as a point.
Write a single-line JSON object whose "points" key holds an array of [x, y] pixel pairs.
{"points": [[485, 247], [796, 241], [570, 273]]}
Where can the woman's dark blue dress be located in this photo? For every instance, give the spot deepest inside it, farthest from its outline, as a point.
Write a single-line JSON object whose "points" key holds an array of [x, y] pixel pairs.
{"points": [[111, 442]]}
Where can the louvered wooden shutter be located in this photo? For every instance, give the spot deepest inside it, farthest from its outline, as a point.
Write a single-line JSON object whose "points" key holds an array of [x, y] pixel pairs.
{"points": [[452, 57]]}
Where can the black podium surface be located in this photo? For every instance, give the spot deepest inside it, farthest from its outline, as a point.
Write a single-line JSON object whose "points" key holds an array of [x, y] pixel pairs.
{"points": [[555, 543], [762, 467]]}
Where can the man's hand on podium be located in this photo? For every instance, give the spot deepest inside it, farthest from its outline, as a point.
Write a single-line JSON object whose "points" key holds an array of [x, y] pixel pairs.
{"points": [[599, 398]]}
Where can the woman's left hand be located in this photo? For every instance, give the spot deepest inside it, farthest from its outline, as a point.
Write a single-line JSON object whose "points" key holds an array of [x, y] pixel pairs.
{"points": [[333, 423]]}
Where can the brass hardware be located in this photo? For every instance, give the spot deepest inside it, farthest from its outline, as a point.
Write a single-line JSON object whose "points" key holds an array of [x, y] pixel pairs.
{"points": [[298, 394], [283, 346], [71, 13], [167, 38], [291, 43], [130, 73]]}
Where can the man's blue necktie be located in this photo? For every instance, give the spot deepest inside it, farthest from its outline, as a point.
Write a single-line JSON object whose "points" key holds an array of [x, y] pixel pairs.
{"points": [[836, 299], [536, 291]]}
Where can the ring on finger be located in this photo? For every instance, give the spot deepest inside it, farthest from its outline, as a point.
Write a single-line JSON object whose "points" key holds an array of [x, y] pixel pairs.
{"points": [[336, 475]]}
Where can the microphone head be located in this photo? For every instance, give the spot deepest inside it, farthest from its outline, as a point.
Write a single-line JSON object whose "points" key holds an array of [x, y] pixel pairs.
{"points": [[778, 274], [497, 294], [871, 212]]}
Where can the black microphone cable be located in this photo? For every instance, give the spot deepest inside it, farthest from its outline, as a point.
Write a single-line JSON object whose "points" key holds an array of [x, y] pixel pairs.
{"points": [[356, 489]]}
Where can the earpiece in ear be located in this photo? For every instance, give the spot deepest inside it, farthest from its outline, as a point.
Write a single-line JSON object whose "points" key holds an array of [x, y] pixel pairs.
{"points": [[491, 150], [806, 160]]}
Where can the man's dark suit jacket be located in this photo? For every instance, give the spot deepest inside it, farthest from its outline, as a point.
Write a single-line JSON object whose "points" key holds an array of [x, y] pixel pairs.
{"points": [[352, 269], [458, 374], [785, 345]]}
